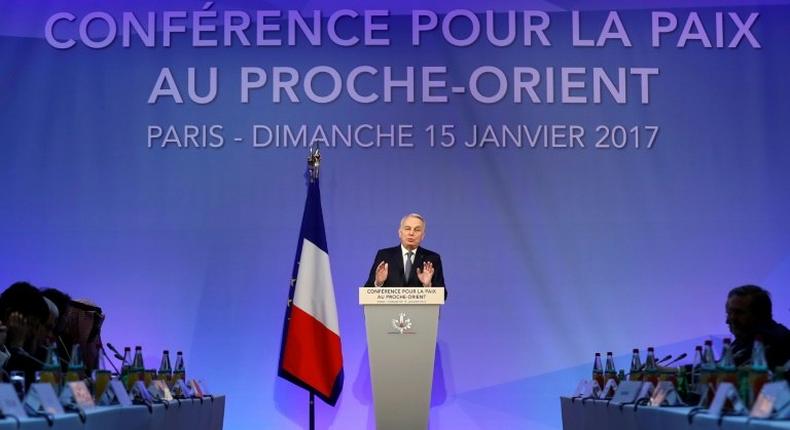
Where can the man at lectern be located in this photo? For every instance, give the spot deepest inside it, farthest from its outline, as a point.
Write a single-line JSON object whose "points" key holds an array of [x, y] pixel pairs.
{"points": [[408, 264]]}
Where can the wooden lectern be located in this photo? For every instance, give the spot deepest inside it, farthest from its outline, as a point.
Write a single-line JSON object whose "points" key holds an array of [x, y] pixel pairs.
{"points": [[401, 326]]}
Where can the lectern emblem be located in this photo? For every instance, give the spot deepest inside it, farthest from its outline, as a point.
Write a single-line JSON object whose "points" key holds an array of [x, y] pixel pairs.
{"points": [[402, 323]]}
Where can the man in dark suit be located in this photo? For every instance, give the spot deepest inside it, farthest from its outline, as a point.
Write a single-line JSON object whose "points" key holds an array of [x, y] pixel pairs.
{"points": [[408, 264], [750, 316]]}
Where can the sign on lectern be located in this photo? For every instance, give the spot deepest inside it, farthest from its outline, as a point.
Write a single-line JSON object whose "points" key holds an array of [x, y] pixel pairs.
{"points": [[401, 326]]}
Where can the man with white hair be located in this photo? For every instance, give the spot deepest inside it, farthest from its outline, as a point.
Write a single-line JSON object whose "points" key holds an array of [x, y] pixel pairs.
{"points": [[408, 264], [46, 331]]}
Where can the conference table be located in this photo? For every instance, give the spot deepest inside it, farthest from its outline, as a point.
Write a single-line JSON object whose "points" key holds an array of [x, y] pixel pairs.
{"points": [[598, 414], [191, 414]]}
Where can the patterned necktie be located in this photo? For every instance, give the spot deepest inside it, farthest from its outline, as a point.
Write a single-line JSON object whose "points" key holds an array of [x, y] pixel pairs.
{"points": [[407, 266]]}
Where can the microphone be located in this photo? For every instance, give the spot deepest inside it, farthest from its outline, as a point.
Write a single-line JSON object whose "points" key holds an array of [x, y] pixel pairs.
{"points": [[61, 360], [678, 358], [115, 351], [103, 351], [657, 362], [23, 353]]}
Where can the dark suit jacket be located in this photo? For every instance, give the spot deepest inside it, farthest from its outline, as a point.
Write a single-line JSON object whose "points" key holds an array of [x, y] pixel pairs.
{"points": [[20, 360], [396, 278], [776, 340]]}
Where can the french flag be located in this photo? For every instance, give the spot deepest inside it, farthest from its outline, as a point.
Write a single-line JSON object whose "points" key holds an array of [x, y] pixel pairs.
{"points": [[311, 355]]}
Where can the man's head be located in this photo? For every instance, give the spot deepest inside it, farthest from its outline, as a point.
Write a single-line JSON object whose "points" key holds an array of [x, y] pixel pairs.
{"points": [[748, 307], [411, 231], [31, 311], [46, 331], [25, 299], [62, 301]]}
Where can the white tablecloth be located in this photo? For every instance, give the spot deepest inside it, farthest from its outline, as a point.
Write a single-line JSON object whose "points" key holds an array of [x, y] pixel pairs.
{"points": [[597, 414], [191, 414]]}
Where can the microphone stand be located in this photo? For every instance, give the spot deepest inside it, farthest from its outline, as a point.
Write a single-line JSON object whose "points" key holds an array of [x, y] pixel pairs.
{"points": [[104, 352]]}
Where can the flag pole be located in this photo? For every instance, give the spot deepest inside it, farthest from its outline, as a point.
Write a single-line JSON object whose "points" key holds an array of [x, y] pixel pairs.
{"points": [[313, 163], [311, 334], [312, 411]]}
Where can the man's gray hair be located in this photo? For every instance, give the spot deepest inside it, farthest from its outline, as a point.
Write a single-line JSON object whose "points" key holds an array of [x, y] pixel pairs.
{"points": [[412, 215], [53, 309]]}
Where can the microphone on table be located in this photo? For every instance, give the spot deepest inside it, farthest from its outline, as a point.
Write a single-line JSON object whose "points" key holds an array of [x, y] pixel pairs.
{"points": [[669, 356], [679, 357], [24, 353], [657, 362], [115, 351]]}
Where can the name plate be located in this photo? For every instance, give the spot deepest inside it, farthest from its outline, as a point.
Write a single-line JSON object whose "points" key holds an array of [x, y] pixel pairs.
{"points": [[9, 402], [41, 397], [665, 395], [608, 390], [180, 389], [140, 394], [160, 390], [774, 396], [627, 392], [726, 400], [197, 390], [646, 392], [581, 387], [115, 393], [401, 296], [77, 393], [586, 389]]}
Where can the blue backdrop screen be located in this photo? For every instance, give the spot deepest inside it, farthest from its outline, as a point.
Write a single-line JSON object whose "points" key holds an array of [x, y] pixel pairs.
{"points": [[597, 183]]}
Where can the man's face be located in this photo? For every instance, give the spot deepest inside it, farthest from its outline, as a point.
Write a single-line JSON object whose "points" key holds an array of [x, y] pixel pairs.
{"points": [[60, 327], [44, 331], [740, 317], [411, 233]]}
